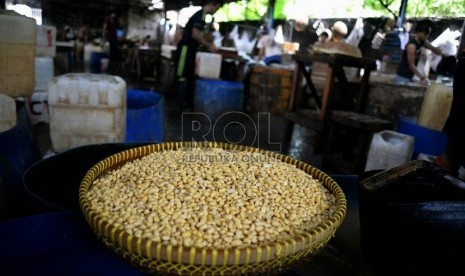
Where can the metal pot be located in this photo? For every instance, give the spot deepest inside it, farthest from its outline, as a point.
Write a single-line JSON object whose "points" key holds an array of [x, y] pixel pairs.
{"points": [[412, 219]]}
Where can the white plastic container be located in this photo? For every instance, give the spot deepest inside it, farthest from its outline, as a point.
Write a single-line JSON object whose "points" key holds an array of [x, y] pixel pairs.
{"points": [[37, 107], [436, 106], [17, 54], [208, 65], [389, 149], [44, 72], [7, 112], [86, 109], [46, 41]]}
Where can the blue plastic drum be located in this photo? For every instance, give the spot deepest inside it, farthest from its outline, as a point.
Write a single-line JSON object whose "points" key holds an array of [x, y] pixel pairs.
{"points": [[427, 141], [18, 151], [217, 97], [145, 116], [96, 62]]}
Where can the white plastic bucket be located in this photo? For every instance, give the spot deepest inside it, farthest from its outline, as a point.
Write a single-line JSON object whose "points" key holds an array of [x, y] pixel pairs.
{"points": [[389, 149]]}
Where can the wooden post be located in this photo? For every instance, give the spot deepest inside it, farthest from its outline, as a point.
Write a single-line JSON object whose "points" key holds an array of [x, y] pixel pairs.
{"points": [[271, 4]]}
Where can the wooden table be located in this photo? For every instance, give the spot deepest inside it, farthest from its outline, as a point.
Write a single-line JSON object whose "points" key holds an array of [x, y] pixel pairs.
{"points": [[341, 106], [335, 73]]}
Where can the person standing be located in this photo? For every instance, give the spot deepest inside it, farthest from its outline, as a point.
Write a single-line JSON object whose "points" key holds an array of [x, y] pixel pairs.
{"points": [[69, 34], [303, 35], [268, 49], [339, 31], [411, 54], [83, 39], [110, 35], [325, 36], [194, 36], [337, 44], [453, 156]]}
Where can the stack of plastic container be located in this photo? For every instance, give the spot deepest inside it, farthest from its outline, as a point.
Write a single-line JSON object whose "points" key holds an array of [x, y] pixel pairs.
{"points": [[37, 103], [86, 109]]}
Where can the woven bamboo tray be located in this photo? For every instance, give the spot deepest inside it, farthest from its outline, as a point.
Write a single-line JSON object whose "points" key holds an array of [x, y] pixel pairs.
{"points": [[154, 257]]}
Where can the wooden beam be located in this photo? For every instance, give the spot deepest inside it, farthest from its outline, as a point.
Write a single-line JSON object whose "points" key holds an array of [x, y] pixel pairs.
{"points": [[462, 39]]}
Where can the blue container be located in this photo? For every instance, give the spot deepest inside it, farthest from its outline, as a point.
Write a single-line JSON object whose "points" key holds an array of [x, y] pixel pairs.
{"points": [[18, 151], [96, 62], [145, 119], [427, 141], [217, 97]]}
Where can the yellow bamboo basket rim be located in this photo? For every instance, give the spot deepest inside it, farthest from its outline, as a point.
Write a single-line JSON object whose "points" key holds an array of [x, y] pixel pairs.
{"points": [[209, 257]]}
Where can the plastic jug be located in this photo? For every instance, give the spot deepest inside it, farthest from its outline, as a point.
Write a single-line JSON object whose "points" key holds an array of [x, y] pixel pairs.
{"points": [[436, 106], [389, 149]]}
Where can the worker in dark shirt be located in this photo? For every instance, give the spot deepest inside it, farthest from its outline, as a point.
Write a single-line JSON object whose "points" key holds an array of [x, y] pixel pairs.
{"points": [[303, 35], [194, 36], [411, 54], [109, 33], [453, 156]]}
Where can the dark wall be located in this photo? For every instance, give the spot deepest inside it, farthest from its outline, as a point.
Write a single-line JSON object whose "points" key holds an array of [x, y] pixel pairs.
{"points": [[78, 13], [90, 13]]}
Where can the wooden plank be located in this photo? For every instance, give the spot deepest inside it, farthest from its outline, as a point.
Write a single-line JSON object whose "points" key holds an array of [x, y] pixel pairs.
{"points": [[358, 120], [307, 118]]}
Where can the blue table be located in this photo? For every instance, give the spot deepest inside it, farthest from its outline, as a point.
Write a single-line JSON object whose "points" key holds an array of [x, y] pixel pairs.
{"points": [[59, 243]]}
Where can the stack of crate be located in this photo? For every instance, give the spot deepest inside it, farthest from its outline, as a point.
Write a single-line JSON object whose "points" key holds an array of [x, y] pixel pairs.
{"points": [[270, 89]]}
